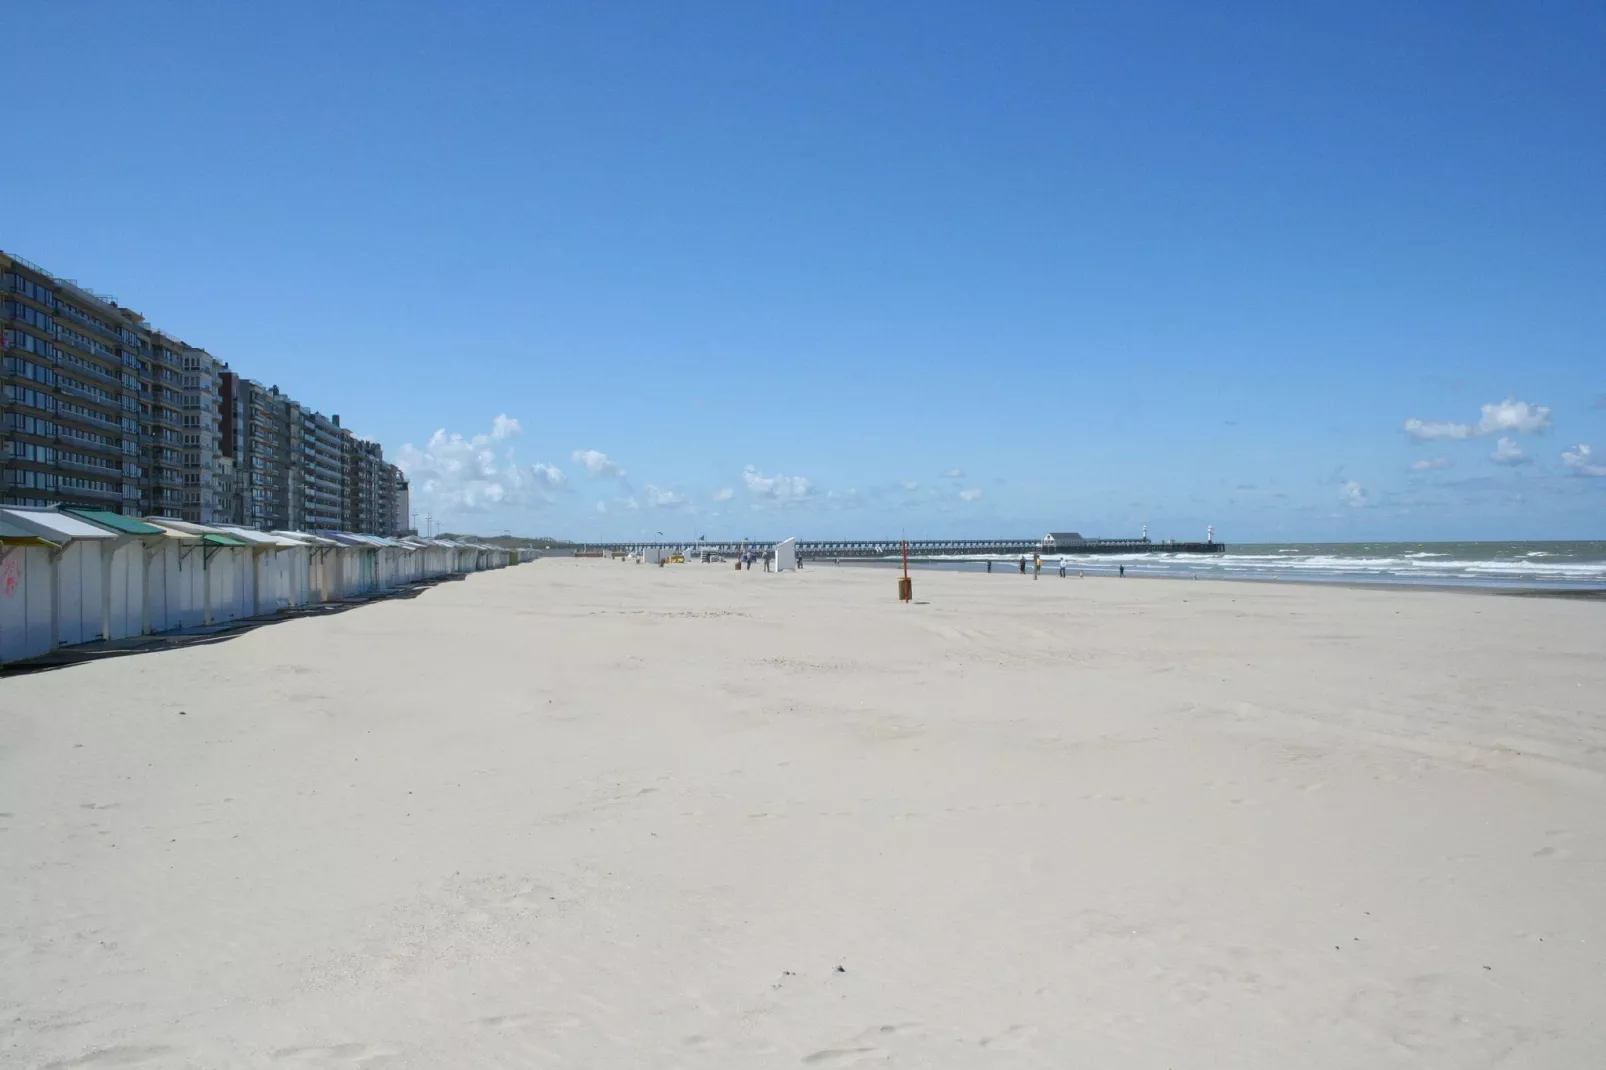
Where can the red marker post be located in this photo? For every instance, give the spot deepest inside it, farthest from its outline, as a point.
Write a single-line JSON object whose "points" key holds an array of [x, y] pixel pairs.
{"points": [[906, 590]]}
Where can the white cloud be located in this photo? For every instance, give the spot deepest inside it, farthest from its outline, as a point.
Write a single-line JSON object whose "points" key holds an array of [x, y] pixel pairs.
{"points": [[1426, 432], [454, 473], [602, 507], [1580, 459], [1353, 494], [598, 464], [1514, 415], [954, 473], [551, 476], [1507, 415], [724, 494], [776, 488], [911, 484], [1430, 464], [1506, 451], [663, 498], [970, 495]]}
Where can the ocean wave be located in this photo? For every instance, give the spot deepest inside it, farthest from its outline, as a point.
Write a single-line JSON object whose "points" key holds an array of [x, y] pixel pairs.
{"points": [[1416, 566]]}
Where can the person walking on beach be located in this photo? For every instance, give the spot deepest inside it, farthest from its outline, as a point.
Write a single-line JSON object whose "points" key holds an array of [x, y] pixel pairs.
{"points": [[1062, 568], [1037, 565], [989, 566], [1023, 564], [1123, 571]]}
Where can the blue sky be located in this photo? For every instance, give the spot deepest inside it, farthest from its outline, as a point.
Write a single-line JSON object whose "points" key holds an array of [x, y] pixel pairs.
{"points": [[848, 268]]}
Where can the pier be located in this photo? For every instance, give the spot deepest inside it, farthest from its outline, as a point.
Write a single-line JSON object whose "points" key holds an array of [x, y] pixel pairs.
{"points": [[817, 549]]}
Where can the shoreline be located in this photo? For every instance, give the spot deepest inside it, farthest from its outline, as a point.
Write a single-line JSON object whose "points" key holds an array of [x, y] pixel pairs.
{"points": [[1542, 590]]}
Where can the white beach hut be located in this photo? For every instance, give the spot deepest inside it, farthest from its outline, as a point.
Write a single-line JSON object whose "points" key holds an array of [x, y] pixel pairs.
{"points": [[786, 555], [125, 568], [321, 564], [439, 558], [71, 579], [279, 566], [205, 569], [27, 606], [355, 564]]}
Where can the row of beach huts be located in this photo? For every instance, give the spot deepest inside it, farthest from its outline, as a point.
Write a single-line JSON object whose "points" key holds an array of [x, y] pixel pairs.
{"points": [[71, 576]]}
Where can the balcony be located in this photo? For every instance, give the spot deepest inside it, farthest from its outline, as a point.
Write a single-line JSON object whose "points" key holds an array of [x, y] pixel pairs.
{"points": [[81, 440], [89, 417], [78, 493], [86, 346], [79, 317], [79, 365], [78, 391], [97, 469]]}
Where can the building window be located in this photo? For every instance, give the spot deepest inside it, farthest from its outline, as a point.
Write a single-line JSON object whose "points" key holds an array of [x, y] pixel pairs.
{"points": [[29, 425], [27, 369], [26, 477], [28, 288], [29, 451], [25, 341], [36, 399], [22, 313]]}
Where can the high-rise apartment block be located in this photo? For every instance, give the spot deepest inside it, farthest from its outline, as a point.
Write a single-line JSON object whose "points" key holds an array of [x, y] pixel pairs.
{"points": [[99, 408]]}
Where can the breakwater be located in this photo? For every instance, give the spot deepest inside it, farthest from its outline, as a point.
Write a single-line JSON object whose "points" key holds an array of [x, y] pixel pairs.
{"points": [[872, 548]]}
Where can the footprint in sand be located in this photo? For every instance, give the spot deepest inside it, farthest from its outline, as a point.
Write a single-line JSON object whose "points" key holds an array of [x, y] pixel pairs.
{"points": [[859, 1048], [506, 1021], [841, 1056], [121, 1055], [1558, 849], [1015, 1038], [339, 1054]]}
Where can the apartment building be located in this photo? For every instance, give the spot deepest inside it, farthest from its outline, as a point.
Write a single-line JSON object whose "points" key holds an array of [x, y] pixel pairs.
{"points": [[257, 446], [99, 408], [77, 393], [401, 511], [207, 492], [319, 467], [366, 496], [399, 502]]}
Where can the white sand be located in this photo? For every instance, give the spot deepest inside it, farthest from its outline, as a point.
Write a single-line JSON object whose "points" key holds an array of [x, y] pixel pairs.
{"points": [[598, 815]]}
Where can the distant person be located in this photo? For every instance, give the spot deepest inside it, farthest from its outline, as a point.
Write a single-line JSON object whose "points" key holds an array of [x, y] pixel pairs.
{"points": [[989, 566], [1062, 568], [1023, 564], [1123, 571], [1037, 565]]}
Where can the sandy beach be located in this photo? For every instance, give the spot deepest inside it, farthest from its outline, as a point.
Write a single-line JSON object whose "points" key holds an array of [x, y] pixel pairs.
{"points": [[591, 814]]}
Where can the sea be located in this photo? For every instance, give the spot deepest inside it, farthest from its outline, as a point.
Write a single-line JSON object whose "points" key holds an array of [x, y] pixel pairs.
{"points": [[1514, 565]]}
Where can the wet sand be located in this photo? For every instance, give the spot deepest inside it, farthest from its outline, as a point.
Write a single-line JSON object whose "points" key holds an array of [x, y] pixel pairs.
{"points": [[585, 813]]}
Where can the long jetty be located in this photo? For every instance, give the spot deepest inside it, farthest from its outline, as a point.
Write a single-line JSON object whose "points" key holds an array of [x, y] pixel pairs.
{"points": [[878, 548]]}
